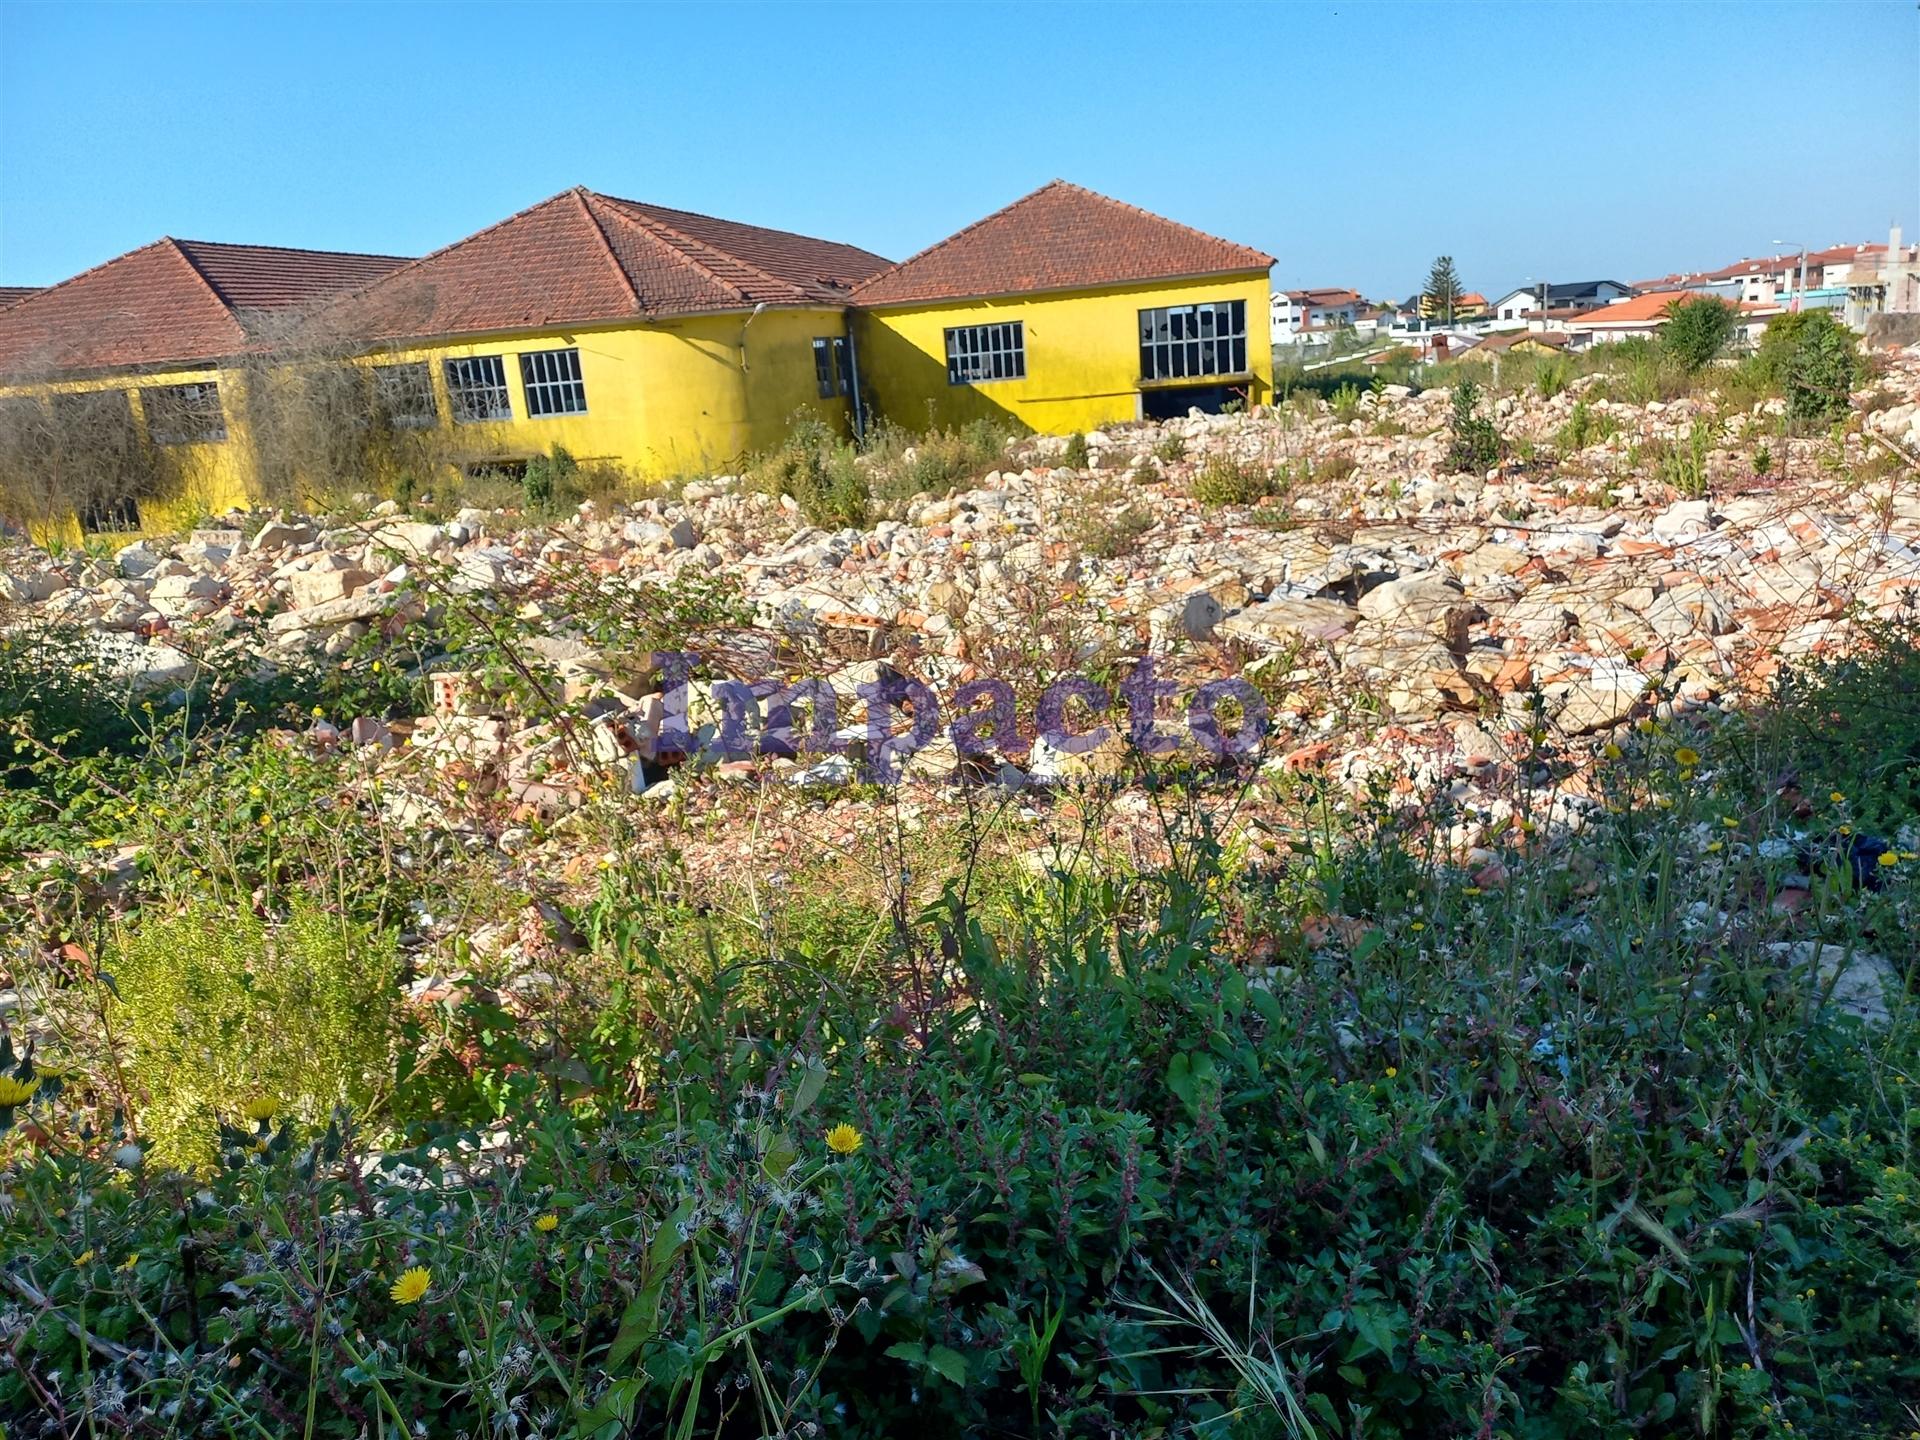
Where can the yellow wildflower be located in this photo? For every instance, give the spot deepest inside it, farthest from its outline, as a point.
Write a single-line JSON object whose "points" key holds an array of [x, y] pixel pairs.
{"points": [[545, 1224], [83, 1259], [843, 1139], [411, 1285], [1838, 797], [130, 1262], [1888, 859], [1686, 756], [1612, 751], [261, 1107], [1393, 1072], [14, 1091]]}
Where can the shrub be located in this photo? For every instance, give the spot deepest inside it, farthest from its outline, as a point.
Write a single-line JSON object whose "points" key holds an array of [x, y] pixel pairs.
{"points": [[1697, 330], [1819, 371], [820, 472], [545, 476], [1583, 428], [217, 1007], [1345, 401], [1683, 466], [1171, 446], [1075, 456], [1554, 375], [1762, 460], [1476, 444], [1227, 480]]}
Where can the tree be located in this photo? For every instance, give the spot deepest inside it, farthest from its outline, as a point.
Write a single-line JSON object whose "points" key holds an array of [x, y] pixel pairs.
{"points": [[1443, 290], [1697, 329]]}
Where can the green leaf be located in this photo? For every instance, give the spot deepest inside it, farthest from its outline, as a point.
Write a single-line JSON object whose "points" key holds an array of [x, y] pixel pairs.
{"points": [[912, 1353], [812, 1081], [950, 1363]]}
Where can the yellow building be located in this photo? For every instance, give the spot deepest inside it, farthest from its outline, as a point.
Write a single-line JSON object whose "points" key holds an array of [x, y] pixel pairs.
{"points": [[1066, 311], [122, 390], [656, 340], [184, 378]]}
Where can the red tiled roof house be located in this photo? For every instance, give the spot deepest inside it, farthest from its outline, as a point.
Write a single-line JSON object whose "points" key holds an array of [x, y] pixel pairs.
{"points": [[656, 340], [1067, 311], [121, 405]]}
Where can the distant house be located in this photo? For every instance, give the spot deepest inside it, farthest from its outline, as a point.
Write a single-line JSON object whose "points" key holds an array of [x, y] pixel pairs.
{"points": [[1887, 282], [1520, 342], [1644, 315], [1297, 314], [1470, 306], [11, 293], [1512, 309]]}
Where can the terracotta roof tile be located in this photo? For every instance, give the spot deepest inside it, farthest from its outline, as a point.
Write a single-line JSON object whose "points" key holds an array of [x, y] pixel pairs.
{"points": [[1060, 237], [583, 257], [10, 293], [171, 302]]}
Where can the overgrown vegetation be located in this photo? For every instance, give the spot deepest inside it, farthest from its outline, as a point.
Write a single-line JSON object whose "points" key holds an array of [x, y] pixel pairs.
{"points": [[1475, 446], [1309, 1134], [1697, 330], [838, 484]]}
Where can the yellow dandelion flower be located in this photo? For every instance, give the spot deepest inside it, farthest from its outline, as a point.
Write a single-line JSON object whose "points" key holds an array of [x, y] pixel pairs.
{"points": [[1612, 751], [265, 821], [1888, 859], [83, 1259], [261, 1107], [1729, 822], [1715, 847], [318, 713], [411, 1285], [843, 1139], [1393, 1072], [1838, 797], [545, 1224], [130, 1262], [1686, 756], [14, 1091]]}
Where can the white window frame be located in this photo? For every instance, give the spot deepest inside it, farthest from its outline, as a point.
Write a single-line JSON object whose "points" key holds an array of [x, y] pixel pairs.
{"points": [[1204, 340], [482, 378], [983, 354], [195, 405], [551, 382], [408, 380]]}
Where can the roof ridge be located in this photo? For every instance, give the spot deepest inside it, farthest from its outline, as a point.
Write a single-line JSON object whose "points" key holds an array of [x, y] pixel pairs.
{"points": [[723, 220], [289, 249], [677, 244], [1163, 219], [93, 269], [957, 235], [680, 237], [417, 261], [205, 279], [580, 194]]}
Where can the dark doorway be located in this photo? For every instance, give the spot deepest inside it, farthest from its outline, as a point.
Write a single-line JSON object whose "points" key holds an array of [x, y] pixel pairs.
{"points": [[1171, 403]]}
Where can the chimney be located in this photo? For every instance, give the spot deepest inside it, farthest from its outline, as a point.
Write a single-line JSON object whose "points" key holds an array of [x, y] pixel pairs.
{"points": [[1893, 243]]}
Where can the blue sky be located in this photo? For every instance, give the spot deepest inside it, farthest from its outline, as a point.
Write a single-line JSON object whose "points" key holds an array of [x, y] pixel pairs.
{"points": [[1352, 141]]}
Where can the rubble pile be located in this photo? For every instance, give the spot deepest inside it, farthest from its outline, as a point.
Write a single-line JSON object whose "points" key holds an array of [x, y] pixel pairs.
{"points": [[1392, 611]]}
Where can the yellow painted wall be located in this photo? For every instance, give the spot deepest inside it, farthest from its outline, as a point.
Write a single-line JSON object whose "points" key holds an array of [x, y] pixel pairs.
{"points": [[1083, 354], [192, 480], [672, 397]]}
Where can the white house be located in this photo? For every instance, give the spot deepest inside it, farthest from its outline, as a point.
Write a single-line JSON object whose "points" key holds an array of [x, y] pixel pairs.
{"points": [[1511, 310], [1297, 314]]}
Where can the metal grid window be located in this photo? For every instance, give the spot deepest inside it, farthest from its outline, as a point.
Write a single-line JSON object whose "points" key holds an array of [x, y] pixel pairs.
{"points": [[987, 352], [184, 414], [1179, 342], [832, 370], [552, 381], [477, 389], [404, 394]]}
